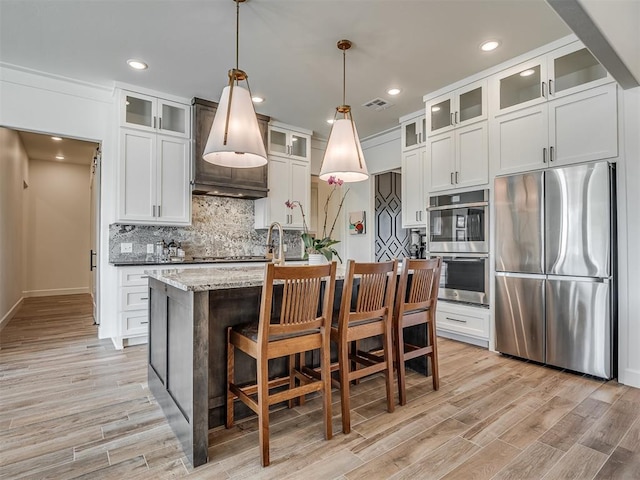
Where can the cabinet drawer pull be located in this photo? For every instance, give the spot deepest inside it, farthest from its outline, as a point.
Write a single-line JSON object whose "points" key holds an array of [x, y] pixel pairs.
{"points": [[144, 276], [144, 298], [544, 154], [144, 323], [456, 320]]}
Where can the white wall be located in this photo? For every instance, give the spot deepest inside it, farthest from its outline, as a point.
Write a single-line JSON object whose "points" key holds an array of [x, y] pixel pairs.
{"points": [[13, 171], [46, 103], [58, 229]]}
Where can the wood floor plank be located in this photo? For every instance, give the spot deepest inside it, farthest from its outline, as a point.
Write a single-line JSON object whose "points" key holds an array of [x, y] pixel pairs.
{"points": [[440, 461], [485, 463], [621, 464], [579, 463], [531, 428], [533, 462], [409, 452], [605, 434]]}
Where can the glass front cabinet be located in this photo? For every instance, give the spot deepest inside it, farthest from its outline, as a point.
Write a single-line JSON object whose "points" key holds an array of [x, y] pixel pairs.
{"points": [[461, 107], [145, 112], [414, 133], [564, 71]]}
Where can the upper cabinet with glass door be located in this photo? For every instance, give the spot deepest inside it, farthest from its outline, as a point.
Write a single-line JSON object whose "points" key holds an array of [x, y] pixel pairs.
{"points": [[460, 107], [287, 142], [414, 132], [564, 71], [153, 114]]}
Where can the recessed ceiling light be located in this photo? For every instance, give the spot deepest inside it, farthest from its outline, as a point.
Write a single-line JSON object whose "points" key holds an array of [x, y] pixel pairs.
{"points": [[394, 91], [59, 157], [490, 45], [57, 139], [330, 121], [137, 64], [527, 73], [435, 109], [257, 99]]}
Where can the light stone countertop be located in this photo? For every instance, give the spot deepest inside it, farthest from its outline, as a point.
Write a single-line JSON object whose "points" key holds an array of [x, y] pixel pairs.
{"points": [[216, 278]]}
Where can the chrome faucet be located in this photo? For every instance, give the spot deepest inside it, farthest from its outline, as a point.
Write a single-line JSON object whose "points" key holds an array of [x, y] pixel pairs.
{"points": [[280, 259]]}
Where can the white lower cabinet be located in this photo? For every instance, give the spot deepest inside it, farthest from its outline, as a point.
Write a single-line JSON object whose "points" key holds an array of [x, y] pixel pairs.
{"points": [[463, 322], [133, 302], [575, 128]]}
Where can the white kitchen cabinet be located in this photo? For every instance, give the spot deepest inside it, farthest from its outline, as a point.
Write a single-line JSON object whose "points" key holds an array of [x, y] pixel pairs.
{"points": [[413, 201], [562, 72], [414, 132], [458, 158], [154, 172], [286, 141], [463, 322], [133, 304], [289, 179], [154, 114], [458, 108], [574, 128]]}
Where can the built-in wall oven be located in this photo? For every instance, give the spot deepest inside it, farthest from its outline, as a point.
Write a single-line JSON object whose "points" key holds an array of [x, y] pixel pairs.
{"points": [[458, 231], [464, 277]]}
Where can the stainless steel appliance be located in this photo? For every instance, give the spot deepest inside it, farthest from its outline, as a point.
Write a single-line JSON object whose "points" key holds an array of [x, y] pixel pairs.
{"points": [[464, 277], [555, 289], [458, 222]]}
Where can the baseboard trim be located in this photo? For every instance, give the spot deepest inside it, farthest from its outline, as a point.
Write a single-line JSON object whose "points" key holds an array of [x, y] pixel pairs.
{"points": [[629, 377], [9, 315], [55, 291]]}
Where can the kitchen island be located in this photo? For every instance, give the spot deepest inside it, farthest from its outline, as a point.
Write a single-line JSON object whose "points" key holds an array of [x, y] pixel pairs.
{"points": [[189, 312]]}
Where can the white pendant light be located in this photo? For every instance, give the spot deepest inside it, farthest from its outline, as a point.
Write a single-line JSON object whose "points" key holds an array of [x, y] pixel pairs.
{"points": [[235, 139], [343, 157]]}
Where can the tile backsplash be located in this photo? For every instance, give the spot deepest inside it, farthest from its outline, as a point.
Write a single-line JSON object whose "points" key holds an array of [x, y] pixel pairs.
{"points": [[220, 227]]}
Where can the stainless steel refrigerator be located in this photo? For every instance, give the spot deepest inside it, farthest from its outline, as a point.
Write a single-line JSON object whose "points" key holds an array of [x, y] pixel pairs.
{"points": [[555, 289]]}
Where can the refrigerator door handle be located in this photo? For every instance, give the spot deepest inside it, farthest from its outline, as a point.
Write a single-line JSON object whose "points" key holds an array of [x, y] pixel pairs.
{"points": [[571, 278]]}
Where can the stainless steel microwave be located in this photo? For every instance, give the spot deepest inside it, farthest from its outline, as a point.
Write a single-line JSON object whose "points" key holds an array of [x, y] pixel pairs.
{"points": [[459, 222]]}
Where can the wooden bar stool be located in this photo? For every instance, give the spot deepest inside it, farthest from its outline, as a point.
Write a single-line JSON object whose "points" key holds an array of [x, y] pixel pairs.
{"points": [[366, 311], [416, 304], [298, 329]]}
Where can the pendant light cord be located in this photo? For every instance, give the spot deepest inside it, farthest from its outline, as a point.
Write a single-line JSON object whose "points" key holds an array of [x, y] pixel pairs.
{"points": [[344, 76], [237, 31]]}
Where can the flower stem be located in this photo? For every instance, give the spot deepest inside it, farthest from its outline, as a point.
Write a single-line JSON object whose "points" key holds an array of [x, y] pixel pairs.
{"points": [[337, 213]]}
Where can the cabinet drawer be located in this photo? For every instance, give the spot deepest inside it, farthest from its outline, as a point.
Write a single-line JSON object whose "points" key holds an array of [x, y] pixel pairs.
{"points": [[475, 325], [130, 277], [134, 298], [134, 323]]}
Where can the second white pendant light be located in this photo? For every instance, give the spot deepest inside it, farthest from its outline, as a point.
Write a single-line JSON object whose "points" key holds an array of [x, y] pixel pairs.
{"points": [[343, 157]]}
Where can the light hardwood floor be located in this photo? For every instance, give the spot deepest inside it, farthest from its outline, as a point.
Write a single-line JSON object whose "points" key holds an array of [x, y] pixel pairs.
{"points": [[71, 406]]}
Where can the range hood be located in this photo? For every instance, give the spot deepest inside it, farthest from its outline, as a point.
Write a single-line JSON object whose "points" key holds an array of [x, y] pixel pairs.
{"points": [[221, 181]]}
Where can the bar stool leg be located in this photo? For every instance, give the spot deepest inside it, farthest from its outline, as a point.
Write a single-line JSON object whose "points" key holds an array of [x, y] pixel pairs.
{"points": [[343, 353], [402, 392], [388, 357], [435, 373], [230, 379], [263, 411]]}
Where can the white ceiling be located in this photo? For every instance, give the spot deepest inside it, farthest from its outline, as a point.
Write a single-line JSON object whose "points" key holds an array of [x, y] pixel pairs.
{"points": [[288, 47], [43, 147]]}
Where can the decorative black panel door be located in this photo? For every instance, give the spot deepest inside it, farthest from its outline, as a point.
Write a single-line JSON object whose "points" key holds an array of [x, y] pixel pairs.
{"points": [[392, 241]]}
